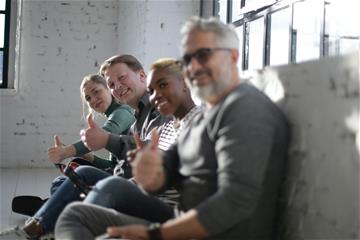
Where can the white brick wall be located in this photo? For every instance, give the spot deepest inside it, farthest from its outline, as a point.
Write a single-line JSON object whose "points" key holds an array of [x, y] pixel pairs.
{"points": [[62, 41]]}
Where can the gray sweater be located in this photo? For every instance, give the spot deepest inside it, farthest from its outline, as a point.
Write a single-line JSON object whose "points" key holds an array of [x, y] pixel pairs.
{"points": [[229, 165]]}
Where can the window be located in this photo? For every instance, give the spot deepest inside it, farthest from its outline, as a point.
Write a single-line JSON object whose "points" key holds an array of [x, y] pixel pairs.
{"points": [[255, 43], [7, 42], [275, 32], [223, 10], [279, 37], [339, 36], [235, 10], [4, 40], [306, 30], [240, 32]]}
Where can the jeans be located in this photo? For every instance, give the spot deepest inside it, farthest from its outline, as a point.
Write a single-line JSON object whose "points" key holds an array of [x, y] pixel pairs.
{"points": [[66, 193], [126, 197], [56, 183], [86, 221]]}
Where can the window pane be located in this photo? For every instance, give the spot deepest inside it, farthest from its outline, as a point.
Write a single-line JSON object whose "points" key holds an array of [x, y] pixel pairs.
{"points": [[2, 29], [306, 30], [256, 43], [347, 45], [235, 13], [2, 4], [342, 36], [223, 9], [239, 31], [280, 37], [1, 67]]}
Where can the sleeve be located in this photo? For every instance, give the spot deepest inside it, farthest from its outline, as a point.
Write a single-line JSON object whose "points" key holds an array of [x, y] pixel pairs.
{"points": [[153, 120], [102, 163], [243, 144], [119, 121], [171, 166], [80, 148], [120, 144]]}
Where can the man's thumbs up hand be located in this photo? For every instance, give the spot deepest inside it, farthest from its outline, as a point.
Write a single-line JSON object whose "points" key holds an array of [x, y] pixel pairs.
{"points": [[94, 137], [90, 121]]}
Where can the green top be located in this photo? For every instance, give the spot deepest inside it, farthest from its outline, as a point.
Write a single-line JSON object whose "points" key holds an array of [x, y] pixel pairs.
{"points": [[120, 117]]}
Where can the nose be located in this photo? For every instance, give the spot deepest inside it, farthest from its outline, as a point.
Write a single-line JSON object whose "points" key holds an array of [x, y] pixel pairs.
{"points": [[193, 67], [156, 95], [117, 85], [92, 101]]}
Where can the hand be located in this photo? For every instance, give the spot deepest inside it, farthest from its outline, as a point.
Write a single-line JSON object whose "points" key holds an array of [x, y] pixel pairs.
{"points": [[147, 167], [131, 154], [94, 137], [133, 232], [56, 153]]}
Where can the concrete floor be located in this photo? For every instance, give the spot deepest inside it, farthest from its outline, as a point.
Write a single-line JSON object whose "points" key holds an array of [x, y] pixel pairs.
{"points": [[15, 182]]}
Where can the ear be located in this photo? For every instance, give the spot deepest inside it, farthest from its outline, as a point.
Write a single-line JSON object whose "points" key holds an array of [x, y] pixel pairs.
{"points": [[142, 75], [234, 54]]}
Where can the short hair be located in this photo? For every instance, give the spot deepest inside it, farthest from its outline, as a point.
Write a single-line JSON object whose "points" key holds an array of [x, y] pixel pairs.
{"points": [[225, 34], [127, 59], [170, 64]]}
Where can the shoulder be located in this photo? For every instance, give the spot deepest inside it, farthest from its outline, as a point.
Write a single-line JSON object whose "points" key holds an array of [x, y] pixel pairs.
{"points": [[123, 108]]}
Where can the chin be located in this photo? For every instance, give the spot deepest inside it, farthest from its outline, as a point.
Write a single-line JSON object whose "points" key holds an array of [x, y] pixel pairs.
{"points": [[165, 112]]}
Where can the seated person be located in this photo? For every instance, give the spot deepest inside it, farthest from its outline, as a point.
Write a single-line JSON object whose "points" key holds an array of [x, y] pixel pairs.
{"points": [[96, 95], [228, 164], [129, 88], [170, 95], [119, 118]]}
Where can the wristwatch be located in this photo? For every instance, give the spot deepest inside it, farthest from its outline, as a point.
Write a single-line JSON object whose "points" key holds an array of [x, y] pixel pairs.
{"points": [[154, 231]]}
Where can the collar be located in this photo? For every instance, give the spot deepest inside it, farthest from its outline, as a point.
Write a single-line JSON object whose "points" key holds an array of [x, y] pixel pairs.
{"points": [[144, 101], [111, 108]]}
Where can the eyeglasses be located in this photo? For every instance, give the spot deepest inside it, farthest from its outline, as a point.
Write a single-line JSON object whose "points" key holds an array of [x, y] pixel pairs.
{"points": [[201, 55]]}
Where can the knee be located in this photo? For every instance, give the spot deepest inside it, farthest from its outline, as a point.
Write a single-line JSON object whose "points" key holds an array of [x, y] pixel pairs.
{"points": [[72, 210], [70, 216], [111, 183], [83, 169]]}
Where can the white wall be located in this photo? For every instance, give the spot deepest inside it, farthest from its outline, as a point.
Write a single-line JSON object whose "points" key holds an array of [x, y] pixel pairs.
{"points": [[322, 102], [62, 41], [151, 29]]}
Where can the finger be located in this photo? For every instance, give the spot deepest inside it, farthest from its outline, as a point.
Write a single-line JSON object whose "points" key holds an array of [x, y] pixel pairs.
{"points": [[131, 154], [128, 232], [57, 141], [83, 136], [114, 231], [83, 133], [154, 139], [139, 143], [90, 121]]}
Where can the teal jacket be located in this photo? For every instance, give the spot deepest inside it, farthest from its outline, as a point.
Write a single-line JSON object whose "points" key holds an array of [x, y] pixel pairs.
{"points": [[120, 117]]}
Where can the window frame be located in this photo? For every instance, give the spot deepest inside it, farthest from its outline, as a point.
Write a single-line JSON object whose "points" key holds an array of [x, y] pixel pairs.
{"points": [[13, 48], [253, 11], [5, 48], [268, 29]]}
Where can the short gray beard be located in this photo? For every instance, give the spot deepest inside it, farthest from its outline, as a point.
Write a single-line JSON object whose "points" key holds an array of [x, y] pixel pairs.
{"points": [[211, 91]]}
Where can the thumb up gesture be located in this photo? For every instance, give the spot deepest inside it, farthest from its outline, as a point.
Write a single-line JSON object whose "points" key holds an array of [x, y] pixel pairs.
{"points": [[147, 167], [56, 153], [94, 137]]}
